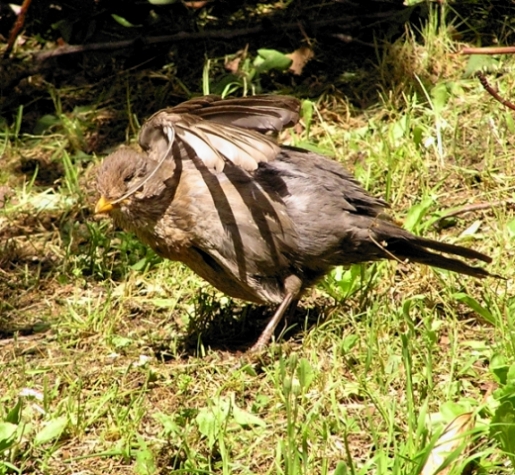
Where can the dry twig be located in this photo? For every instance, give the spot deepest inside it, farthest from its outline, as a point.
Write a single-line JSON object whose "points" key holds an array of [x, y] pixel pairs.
{"points": [[493, 92], [18, 25], [490, 50], [186, 36], [475, 207]]}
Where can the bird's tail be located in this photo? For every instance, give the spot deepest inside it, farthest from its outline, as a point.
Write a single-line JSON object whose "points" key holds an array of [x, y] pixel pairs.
{"points": [[400, 244]]}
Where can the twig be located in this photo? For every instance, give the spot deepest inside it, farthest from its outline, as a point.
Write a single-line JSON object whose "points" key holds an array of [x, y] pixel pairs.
{"points": [[493, 92], [154, 40], [346, 20], [383, 248], [489, 50], [475, 207], [18, 25]]}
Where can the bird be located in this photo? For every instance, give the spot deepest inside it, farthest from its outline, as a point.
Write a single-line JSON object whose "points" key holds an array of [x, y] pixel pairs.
{"points": [[260, 221]]}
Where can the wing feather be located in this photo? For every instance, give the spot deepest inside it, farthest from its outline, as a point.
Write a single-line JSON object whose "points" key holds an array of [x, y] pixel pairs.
{"points": [[242, 147], [218, 130], [261, 113], [202, 146]]}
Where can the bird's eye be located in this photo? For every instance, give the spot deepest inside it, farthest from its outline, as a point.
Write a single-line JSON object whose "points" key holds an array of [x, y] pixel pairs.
{"points": [[128, 178]]}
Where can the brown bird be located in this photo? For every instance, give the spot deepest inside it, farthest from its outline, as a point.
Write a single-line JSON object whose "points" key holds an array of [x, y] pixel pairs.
{"points": [[258, 221]]}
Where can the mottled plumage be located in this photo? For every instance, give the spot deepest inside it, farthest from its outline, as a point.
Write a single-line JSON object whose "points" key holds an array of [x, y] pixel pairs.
{"points": [[262, 233]]}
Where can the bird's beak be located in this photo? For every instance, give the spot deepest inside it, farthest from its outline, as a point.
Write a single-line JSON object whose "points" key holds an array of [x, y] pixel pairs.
{"points": [[103, 206]]}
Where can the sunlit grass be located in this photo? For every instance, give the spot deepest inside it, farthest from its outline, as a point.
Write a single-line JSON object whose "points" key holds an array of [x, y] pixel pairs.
{"points": [[114, 361]]}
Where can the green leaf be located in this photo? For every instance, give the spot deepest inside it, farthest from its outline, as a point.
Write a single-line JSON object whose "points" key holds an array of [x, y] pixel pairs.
{"points": [[305, 374], [456, 89], [145, 462], [440, 96], [510, 377], [140, 265], [510, 123], [163, 303], [249, 369], [52, 430], [313, 148], [121, 341], [211, 420], [418, 135], [306, 112], [505, 375], [269, 59], [478, 62], [170, 427], [450, 410], [246, 418], [342, 283], [502, 428], [44, 123], [348, 343], [7, 434], [341, 469], [417, 213], [499, 368], [122, 21], [475, 305], [14, 415], [511, 227], [398, 129]]}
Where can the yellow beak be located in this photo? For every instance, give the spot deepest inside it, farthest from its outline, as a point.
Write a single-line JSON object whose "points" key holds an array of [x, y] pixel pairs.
{"points": [[103, 206]]}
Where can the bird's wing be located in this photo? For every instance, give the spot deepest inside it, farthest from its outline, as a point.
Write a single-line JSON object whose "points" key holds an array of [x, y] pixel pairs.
{"points": [[213, 142], [243, 230], [262, 113]]}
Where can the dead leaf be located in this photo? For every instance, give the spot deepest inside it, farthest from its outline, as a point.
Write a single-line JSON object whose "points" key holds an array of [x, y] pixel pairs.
{"points": [[453, 437], [300, 58], [232, 63], [195, 5]]}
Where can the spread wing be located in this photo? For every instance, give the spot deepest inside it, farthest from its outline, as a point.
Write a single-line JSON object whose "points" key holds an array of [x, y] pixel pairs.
{"points": [[219, 130], [212, 142], [262, 113]]}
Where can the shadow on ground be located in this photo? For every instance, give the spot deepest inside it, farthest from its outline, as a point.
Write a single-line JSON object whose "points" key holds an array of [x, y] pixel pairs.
{"points": [[235, 329]]}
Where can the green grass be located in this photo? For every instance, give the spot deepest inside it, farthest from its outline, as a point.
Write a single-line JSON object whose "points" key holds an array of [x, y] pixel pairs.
{"points": [[114, 361]]}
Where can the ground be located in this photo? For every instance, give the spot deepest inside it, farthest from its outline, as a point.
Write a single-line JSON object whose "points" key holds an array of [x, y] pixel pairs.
{"points": [[115, 361]]}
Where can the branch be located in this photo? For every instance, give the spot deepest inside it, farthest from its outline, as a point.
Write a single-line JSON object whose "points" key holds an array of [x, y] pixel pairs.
{"points": [[489, 50], [18, 25], [347, 20], [476, 207], [493, 92]]}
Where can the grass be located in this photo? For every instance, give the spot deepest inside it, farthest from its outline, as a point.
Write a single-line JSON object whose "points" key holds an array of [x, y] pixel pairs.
{"points": [[114, 361]]}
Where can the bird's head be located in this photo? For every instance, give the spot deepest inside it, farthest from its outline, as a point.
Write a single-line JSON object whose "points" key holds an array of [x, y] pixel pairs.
{"points": [[119, 173]]}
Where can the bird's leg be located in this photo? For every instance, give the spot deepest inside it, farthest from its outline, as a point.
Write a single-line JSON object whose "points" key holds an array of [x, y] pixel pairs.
{"points": [[266, 335], [293, 286]]}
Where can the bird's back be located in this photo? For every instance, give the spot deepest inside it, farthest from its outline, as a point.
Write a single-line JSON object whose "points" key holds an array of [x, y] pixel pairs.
{"points": [[329, 209], [339, 223]]}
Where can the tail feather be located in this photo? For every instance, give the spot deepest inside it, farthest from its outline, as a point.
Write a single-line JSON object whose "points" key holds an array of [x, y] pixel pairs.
{"points": [[401, 244], [453, 249], [415, 253]]}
